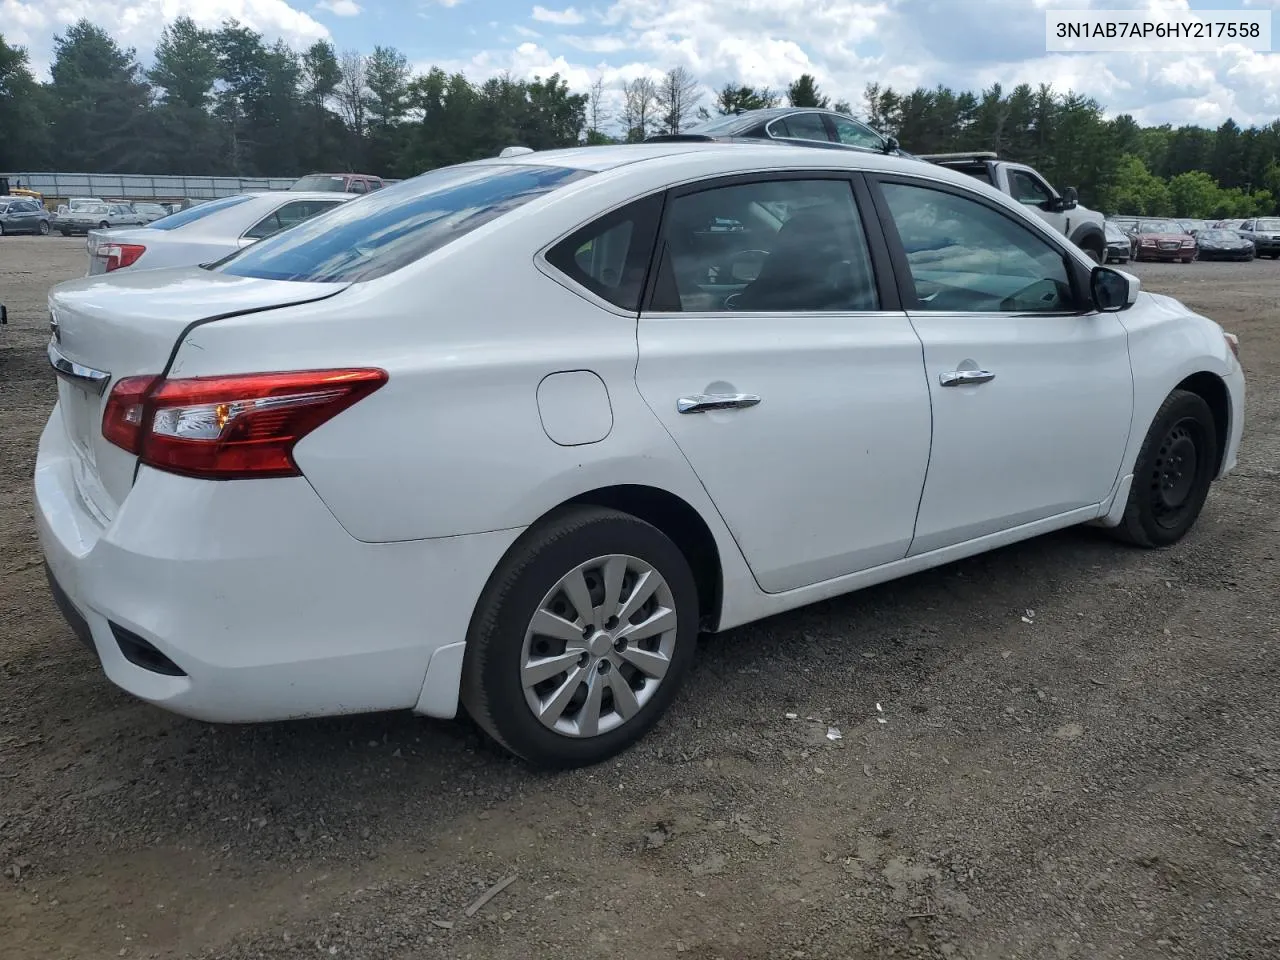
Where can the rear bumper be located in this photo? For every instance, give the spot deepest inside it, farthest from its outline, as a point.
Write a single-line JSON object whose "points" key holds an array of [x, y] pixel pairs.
{"points": [[267, 607]]}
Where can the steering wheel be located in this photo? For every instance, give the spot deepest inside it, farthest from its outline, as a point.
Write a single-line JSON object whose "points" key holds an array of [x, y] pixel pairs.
{"points": [[739, 257]]}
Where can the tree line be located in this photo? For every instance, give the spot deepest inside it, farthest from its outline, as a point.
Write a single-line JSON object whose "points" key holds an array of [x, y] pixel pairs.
{"points": [[226, 102]]}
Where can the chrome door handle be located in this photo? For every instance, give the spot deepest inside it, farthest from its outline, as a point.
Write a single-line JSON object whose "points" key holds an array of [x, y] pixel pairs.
{"points": [[702, 402], [960, 378]]}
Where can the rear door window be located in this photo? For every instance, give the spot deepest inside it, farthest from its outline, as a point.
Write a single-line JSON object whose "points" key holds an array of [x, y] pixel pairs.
{"points": [[288, 215], [801, 126], [198, 212], [610, 256], [378, 235]]}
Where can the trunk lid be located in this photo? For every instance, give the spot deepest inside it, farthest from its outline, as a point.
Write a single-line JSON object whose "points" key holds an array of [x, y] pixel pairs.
{"points": [[125, 325]]}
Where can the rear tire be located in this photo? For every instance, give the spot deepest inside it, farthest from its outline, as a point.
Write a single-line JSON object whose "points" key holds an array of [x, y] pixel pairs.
{"points": [[1176, 465], [104, 225], [598, 692], [1095, 254]]}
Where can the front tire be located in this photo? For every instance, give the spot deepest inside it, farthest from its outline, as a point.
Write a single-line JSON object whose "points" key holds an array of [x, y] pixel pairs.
{"points": [[44, 228], [1176, 464], [581, 638]]}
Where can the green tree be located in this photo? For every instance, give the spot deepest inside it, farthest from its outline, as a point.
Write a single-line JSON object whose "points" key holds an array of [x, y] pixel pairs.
{"points": [[734, 98], [1194, 194], [804, 92], [1136, 190], [25, 139], [387, 76], [101, 108]]}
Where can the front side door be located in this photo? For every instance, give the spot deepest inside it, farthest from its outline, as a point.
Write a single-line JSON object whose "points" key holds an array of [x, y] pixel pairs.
{"points": [[773, 349], [1037, 196], [1032, 391]]}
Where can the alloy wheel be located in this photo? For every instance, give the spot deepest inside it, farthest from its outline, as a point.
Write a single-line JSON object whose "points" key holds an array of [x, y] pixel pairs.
{"points": [[598, 646]]}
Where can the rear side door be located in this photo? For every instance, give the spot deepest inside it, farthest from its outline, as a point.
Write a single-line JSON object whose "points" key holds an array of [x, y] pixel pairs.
{"points": [[773, 348], [1031, 386]]}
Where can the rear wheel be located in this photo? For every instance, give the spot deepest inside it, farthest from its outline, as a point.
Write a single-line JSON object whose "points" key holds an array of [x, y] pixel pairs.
{"points": [[1094, 252], [104, 225], [581, 639], [1, 229], [1171, 480]]}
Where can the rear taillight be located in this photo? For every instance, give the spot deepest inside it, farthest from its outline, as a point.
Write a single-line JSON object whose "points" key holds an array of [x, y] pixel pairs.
{"points": [[1233, 342], [226, 428], [119, 255]]}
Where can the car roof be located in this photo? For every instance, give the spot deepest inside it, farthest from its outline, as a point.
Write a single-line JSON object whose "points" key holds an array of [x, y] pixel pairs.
{"points": [[762, 154]]}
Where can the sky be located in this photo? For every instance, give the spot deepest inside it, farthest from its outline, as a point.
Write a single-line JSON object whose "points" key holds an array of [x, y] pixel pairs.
{"points": [[846, 44]]}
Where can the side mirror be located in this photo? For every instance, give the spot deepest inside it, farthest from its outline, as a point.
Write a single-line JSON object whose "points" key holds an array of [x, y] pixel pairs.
{"points": [[1113, 290], [1070, 198], [891, 145], [1055, 205]]}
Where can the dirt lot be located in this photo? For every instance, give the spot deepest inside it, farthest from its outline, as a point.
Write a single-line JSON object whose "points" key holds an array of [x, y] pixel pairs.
{"points": [[1100, 782]]}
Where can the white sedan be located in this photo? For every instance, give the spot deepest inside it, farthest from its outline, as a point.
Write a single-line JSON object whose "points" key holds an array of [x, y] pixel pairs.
{"points": [[510, 434], [205, 233]]}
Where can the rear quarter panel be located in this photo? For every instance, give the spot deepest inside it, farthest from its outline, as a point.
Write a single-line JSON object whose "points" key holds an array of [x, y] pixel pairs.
{"points": [[453, 444]]}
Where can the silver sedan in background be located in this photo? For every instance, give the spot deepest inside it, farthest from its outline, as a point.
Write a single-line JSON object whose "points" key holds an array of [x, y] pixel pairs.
{"points": [[207, 232]]}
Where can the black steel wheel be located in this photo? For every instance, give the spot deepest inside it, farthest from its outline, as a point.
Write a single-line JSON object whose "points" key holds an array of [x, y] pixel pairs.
{"points": [[1171, 479]]}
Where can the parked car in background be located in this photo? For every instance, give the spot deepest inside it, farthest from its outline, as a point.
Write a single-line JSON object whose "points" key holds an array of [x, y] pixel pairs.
{"points": [[1164, 240], [23, 215], [802, 126], [205, 233], [1119, 244], [150, 212], [456, 444], [97, 215], [1265, 234], [1193, 227], [338, 183], [1215, 244]]}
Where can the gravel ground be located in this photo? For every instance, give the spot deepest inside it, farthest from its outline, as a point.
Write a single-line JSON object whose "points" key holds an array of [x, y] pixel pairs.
{"points": [[1100, 782]]}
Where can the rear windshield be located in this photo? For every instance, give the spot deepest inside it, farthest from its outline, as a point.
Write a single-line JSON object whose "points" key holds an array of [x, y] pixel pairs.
{"points": [[199, 212], [331, 184], [384, 231], [1267, 225]]}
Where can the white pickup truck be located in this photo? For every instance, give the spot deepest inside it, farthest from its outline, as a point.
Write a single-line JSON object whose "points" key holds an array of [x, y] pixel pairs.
{"points": [[1082, 226]]}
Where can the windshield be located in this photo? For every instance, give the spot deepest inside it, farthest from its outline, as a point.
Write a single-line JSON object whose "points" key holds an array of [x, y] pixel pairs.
{"points": [[91, 208], [390, 229], [198, 212], [1159, 226], [320, 181], [1267, 224], [1218, 235], [1115, 233]]}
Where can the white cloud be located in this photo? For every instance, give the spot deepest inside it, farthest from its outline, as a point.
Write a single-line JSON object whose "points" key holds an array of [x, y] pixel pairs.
{"points": [[526, 32], [565, 18], [340, 8]]}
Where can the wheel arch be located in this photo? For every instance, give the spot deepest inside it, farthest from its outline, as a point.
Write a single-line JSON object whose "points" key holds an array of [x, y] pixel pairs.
{"points": [[680, 521], [1212, 389], [1089, 234]]}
